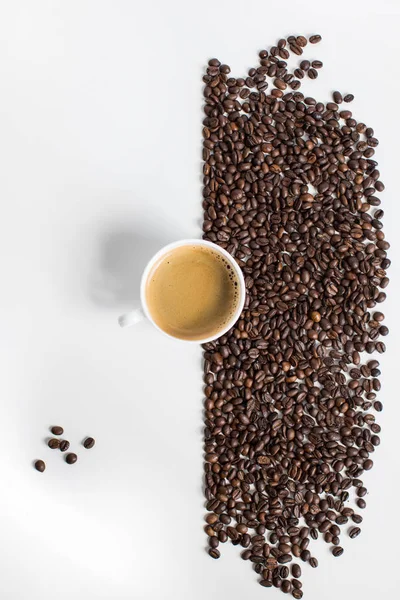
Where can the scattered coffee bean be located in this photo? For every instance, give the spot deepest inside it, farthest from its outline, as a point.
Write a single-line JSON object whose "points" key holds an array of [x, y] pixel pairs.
{"points": [[214, 553], [57, 430], [89, 442], [348, 98], [286, 586], [313, 562], [317, 64], [40, 466], [314, 39], [71, 458], [354, 532], [337, 97], [64, 445], [53, 443], [296, 571], [297, 594], [291, 190]]}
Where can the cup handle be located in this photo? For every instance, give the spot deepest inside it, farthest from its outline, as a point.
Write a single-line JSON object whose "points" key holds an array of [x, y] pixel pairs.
{"points": [[131, 318]]}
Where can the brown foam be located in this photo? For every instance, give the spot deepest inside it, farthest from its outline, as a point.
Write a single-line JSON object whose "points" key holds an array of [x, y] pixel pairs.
{"points": [[192, 292]]}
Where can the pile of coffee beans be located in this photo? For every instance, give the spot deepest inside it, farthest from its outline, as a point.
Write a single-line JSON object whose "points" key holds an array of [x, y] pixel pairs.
{"points": [[63, 446], [290, 190]]}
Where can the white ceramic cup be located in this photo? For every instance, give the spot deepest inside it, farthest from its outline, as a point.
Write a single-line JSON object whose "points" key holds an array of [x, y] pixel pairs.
{"points": [[139, 314]]}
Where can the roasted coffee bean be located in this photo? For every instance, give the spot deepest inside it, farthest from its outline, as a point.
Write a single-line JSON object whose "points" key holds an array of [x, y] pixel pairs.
{"points": [[64, 445], [89, 443], [286, 586], [296, 571], [305, 65], [40, 465], [57, 430], [314, 39], [291, 189], [305, 555], [284, 572], [348, 98], [53, 443], [354, 532], [337, 97], [214, 553], [313, 562], [213, 542], [297, 594], [71, 458], [301, 41]]}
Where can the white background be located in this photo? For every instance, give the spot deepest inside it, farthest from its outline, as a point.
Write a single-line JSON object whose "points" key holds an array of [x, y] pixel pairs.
{"points": [[100, 158]]}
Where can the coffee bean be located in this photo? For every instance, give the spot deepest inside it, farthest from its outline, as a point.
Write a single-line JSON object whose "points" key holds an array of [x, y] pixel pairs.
{"points": [[214, 553], [57, 430], [314, 39], [286, 586], [354, 532], [284, 558], [291, 189], [64, 445], [40, 466], [214, 542], [313, 562], [71, 458], [284, 572], [89, 442], [357, 519], [305, 555], [337, 97], [225, 69], [53, 443], [348, 98], [296, 571], [297, 594]]}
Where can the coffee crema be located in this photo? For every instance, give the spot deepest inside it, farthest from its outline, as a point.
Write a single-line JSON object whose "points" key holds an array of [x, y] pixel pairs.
{"points": [[192, 292]]}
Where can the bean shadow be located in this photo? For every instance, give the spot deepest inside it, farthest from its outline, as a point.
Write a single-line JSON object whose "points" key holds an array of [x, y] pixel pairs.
{"points": [[122, 255]]}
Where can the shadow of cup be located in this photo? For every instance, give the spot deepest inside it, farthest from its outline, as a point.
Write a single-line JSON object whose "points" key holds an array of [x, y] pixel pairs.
{"points": [[122, 257]]}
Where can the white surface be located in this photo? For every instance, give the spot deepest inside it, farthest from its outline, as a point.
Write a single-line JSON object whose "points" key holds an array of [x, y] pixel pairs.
{"points": [[100, 138]]}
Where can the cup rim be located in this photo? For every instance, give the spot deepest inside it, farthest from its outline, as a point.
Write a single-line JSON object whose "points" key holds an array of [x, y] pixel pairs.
{"points": [[196, 242]]}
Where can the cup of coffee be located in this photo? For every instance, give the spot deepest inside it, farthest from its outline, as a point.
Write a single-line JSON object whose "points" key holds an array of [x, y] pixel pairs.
{"points": [[191, 290]]}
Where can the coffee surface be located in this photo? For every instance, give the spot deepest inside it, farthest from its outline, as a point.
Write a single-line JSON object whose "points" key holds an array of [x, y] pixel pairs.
{"points": [[192, 292]]}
